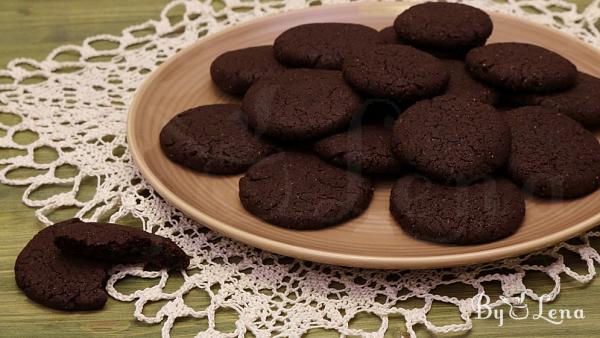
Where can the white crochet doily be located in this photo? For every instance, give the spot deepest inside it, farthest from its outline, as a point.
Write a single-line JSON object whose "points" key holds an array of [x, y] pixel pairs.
{"points": [[78, 108]]}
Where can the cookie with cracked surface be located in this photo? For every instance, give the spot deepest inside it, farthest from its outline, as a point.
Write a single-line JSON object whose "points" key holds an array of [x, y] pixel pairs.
{"points": [[322, 45], [452, 139], [366, 149], [119, 244], [301, 104], [444, 27], [464, 85], [552, 155], [522, 67], [580, 102], [61, 282], [300, 191], [235, 71], [396, 72], [213, 139], [482, 212]]}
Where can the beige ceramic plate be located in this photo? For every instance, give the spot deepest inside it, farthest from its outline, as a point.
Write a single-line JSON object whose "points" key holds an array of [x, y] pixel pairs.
{"points": [[372, 240]]}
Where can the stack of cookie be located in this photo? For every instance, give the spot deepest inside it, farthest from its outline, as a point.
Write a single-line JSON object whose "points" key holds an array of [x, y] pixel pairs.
{"points": [[462, 126]]}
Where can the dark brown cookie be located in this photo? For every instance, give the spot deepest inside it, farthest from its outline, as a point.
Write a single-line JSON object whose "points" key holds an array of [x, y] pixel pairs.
{"points": [[388, 36], [301, 104], [452, 139], [58, 281], [235, 71], [397, 72], [552, 155], [482, 212], [581, 102], [301, 191], [322, 45], [444, 27], [213, 139], [464, 85], [366, 149], [523, 67], [119, 244]]}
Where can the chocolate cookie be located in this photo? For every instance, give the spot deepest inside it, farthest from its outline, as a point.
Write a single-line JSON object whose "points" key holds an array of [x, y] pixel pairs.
{"points": [[552, 155], [119, 244], [301, 104], [235, 71], [445, 27], [397, 72], [452, 139], [366, 149], [213, 139], [464, 85], [322, 45], [521, 67], [482, 212], [300, 191], [58, 281], [581, 102], [388, 36]]}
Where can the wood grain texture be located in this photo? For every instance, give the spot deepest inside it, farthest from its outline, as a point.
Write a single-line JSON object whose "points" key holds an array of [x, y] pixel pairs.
{"points": [[31, 29]]}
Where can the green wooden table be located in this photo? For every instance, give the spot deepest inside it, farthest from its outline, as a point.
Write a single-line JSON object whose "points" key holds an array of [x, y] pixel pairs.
{"points": [[32, 28]]}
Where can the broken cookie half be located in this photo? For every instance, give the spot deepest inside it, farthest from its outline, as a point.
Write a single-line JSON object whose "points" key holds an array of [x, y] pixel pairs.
{"points": [[65, 266]]}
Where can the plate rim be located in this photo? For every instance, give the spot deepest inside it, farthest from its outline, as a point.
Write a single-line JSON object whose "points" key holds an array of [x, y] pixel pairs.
{"points": [[323, 256]]}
